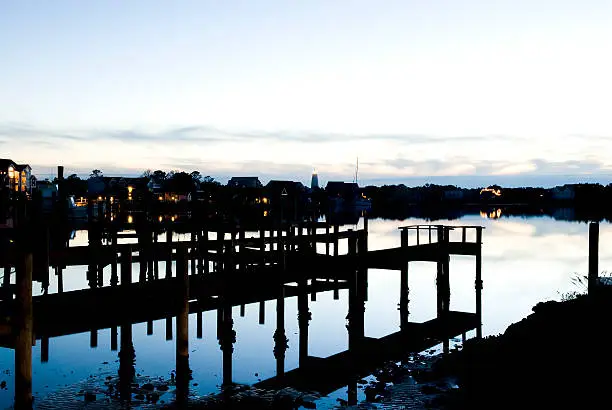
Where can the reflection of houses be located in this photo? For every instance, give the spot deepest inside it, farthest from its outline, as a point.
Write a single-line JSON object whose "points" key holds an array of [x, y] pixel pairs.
{"points": [[563, 193], [16, 177]]}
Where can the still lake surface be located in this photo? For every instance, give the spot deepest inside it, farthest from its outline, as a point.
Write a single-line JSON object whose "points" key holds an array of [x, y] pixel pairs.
{"points": [[524, 261]]}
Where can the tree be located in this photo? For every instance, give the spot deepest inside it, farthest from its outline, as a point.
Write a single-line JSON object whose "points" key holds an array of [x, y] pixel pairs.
{"points": [[147, 173], [96, 173], [180, 182], [208, 180], [196, 176], [158, 177]]}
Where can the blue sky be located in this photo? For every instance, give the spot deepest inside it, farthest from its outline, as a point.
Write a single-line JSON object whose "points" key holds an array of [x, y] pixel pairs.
{"points": [[419, 90]]}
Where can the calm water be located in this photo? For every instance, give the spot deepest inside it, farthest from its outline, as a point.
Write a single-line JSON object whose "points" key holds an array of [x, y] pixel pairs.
{"points": [[525, 260]]}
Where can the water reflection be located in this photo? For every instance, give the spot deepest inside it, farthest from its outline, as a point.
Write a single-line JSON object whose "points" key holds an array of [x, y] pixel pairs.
{"points": [[524, 261]]}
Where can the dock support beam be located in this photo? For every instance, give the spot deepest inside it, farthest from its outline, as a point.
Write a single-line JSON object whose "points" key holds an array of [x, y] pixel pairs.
{"points": [[479, 282], [593, 256], [404, 290], [24, 334], [182, 330]]}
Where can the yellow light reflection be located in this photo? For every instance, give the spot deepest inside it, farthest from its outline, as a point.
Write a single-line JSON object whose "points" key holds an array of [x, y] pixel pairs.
{"points": [[130, 219], [265, 213], [264, 200]]}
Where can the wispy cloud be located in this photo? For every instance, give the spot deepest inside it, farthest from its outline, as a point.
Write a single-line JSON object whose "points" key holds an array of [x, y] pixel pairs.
{"points": [[210, 134]]}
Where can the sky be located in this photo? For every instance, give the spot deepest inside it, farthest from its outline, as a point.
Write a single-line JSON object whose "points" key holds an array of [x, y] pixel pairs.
{"points": [[442, 91]]}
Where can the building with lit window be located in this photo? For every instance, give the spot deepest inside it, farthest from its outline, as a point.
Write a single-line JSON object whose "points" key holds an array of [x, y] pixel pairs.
{"points": [[15, 177]]}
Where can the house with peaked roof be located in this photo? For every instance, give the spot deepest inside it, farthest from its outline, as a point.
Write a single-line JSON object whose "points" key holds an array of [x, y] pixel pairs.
{"points": [[290, 197], [15, 177], [244, 182]]}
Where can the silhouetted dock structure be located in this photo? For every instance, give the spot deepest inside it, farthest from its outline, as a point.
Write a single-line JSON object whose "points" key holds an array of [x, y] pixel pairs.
{"points": [[216, 268]]}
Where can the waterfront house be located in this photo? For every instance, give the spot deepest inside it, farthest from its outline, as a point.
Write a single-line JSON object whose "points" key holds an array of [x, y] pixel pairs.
{"points": [[346, 196], [287, 197], [244, 182], [15, 177]]}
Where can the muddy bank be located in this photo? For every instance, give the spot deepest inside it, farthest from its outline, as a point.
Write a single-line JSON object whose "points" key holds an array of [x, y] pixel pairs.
{"points": [[555, 357]]}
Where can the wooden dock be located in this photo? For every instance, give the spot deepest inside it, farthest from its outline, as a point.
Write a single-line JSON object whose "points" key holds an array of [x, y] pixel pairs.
{"points": [[204, 273]]}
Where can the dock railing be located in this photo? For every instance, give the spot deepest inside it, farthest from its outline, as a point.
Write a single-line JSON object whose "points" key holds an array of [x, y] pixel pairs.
{"points": [[439, 233]]}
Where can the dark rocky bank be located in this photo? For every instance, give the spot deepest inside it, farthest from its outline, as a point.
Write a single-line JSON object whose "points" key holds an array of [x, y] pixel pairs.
{"points": [[557, 357]]}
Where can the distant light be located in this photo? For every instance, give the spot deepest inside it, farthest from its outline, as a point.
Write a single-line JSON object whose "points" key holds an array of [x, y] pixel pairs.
{"points": [[130, 189], [99, 198], [112, 199], [172, 219], [161, 198], [161, 218], [130, 219], [264, 200], [265, 213]]}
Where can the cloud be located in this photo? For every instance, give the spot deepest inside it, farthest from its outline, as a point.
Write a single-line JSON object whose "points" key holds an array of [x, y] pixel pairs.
{"points": [[210, 134], [538, 166]]}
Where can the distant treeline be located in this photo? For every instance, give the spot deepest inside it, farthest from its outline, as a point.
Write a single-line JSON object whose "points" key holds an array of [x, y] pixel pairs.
{"points": [[430, 201]]}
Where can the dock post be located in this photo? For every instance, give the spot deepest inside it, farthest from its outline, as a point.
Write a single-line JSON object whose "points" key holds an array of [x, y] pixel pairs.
{"points": [[44, 349], [220, 241], [182, 329], [353, 326], [149, 328], [262, 246], [168, 251], [24, 333], [479, 282], [60, 279], [362, 268], [262, 312], [443, 284], [336, 240], [199, 324], [404, 290], [241, 250], [169, 328], [156, 254], [93, 338], [203, 251], [304, 316], [126, 265], [114, 335], [593, 256], [327, 238], [336, 253], [195, 236], [7, 276], [114, 280]]}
